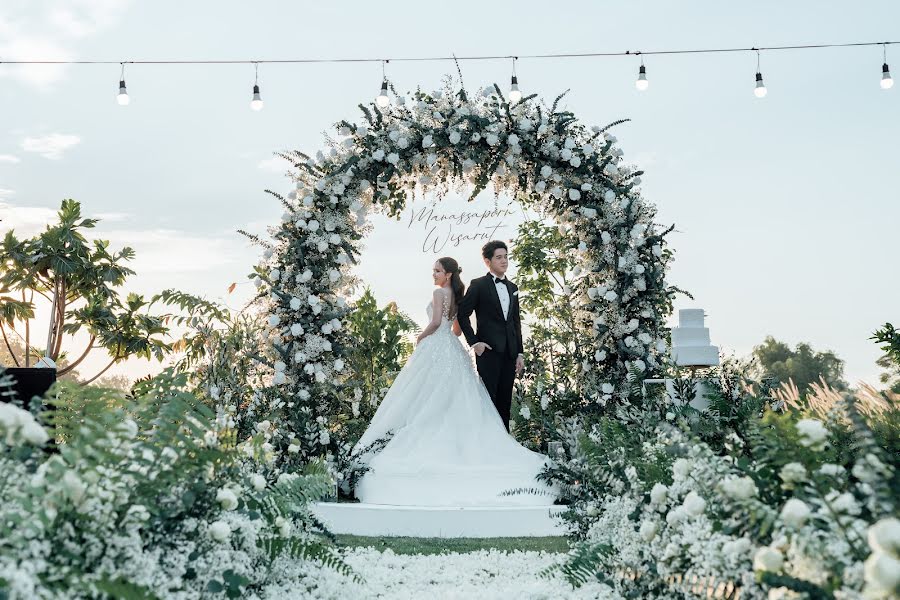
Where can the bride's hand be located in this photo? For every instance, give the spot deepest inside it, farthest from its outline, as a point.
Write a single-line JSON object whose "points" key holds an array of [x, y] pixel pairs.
{"points": [[480, 347]]}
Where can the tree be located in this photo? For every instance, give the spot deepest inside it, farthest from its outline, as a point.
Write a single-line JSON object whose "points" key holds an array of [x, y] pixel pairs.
{"points": [[890, 338], [380, 343], [801, 365], [80, 280]]}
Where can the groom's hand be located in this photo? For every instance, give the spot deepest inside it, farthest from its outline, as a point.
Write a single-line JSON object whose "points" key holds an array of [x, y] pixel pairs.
{"points": [[480, 347], [520, 365]]}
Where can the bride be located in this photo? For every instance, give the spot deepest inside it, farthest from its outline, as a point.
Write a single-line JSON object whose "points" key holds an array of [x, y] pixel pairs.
{"points": [[449, 444]]}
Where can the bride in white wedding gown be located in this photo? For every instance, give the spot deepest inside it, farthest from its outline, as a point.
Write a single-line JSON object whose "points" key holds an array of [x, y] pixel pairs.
{"points": [[449, 444]]}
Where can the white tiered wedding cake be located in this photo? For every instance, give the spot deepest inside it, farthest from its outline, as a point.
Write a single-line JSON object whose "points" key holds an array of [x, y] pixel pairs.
{"points": [[690, 341]]}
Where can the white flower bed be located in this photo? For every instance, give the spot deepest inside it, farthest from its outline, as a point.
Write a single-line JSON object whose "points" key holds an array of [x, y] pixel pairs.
{"points": [[485, 574]]}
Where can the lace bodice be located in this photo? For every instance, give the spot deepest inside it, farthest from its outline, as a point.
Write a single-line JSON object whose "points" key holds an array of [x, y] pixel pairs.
{"points": [[445, 309]]}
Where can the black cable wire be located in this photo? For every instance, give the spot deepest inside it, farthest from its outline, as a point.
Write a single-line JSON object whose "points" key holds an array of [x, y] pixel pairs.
{"points": [[441, 58]]}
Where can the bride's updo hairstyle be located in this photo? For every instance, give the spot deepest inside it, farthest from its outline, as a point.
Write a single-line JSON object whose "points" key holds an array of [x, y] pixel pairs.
{"points": [[451, 266]]}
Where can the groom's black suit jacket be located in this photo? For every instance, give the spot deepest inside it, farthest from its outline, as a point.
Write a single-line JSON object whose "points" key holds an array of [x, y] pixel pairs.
{"points": [[503, 335]]}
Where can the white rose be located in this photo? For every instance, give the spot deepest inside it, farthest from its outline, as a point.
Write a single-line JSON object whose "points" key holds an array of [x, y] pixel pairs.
{"points": [[427, 141], [795, 512], [492, 139], [274, 320], [676, 515], [33, 433], [540, 186], [565, 154], [454, 137], [885, 536], [296, 328], [767, 559], [378, 155], [609, 195], [219, 531], [648, 530], [284, 526], [882, 574], [792, 472], [512, 140], [575, 161], [694, 504], [295, 305], [681, 467], [279, 378], [739, 488], [73, 486], [293, 448], [610, 295], [403, 142], [258, 482], [313, 225], [845, 503], [546, 171], [280, 366], [574, 194], [264, 426], [339, 365], [393, 158], [659, 493], [736, 548], [608, 388], [525, 412], [227, 499], [812, 432]]}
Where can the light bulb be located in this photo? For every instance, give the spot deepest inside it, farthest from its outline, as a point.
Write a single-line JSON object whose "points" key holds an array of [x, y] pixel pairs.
{"points": [[123, 98], [886, 81], [256, 103], [383, 99], [642, 83], [760, 91], [514, 94]]}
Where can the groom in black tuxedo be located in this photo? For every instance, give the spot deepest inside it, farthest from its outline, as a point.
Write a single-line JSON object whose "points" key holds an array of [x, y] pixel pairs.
{"points": [[498, 342]]}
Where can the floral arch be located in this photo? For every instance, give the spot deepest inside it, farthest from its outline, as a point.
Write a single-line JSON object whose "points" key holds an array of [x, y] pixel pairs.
{"points": [[550, 161]]}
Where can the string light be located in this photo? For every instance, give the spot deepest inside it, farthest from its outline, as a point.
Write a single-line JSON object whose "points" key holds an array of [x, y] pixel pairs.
{"points": [[382, 99], [256, 103], [642, 83], [122, 98], [514, 94], [760, 91], [886, 81]]}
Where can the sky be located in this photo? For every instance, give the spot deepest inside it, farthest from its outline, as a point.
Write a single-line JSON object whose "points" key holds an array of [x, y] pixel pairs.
{"points": [[786, 208]]}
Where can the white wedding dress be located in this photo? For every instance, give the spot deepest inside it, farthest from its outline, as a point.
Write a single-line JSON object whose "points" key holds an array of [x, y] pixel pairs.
{"points": [[449, 444]]}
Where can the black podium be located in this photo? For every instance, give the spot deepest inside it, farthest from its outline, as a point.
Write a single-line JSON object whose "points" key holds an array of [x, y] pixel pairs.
{"points": [[29, 383]]}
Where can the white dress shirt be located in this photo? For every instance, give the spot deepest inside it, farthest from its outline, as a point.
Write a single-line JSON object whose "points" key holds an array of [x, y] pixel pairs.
{"points": [[503, 292]]}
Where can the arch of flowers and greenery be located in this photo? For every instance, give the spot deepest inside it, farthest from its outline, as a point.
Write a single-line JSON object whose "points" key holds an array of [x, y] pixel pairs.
{"points": [[435, 142]]}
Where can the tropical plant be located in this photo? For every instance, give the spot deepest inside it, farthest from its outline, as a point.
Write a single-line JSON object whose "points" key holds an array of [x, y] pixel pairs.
{"points": [[79, 280]]}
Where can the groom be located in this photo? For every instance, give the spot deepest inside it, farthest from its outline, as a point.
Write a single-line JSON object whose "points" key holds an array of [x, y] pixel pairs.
{"points": [[498, 343]]}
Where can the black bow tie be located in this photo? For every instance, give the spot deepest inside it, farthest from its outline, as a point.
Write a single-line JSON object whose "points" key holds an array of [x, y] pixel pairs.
{"points": [[498, 280]]}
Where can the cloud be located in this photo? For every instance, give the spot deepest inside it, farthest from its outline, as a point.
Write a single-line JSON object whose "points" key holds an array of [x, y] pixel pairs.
{"points": [[26, 220], [158, 251], [48, 30], [276, 164], [9, 158], [50, 146]]}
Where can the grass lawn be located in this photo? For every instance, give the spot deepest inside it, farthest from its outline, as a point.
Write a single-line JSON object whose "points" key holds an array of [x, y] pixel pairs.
{"points": [[411, 545]]}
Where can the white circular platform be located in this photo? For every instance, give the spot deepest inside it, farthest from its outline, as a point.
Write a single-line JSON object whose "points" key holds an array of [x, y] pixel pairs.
{"points": [[440, 521]]}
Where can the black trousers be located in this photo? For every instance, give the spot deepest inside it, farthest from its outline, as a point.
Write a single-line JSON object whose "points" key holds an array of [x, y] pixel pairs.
{"points": [[498, 372]]}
